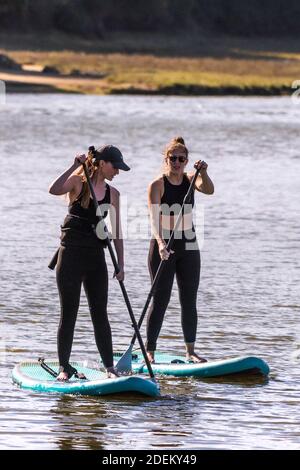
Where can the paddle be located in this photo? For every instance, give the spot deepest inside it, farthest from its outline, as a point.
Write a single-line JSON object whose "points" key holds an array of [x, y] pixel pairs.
{"points": [[42, 363], [125, 362], [52, 372], [117, 269]]}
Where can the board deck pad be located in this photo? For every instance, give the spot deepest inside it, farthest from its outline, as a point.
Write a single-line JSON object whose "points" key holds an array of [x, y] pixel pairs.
{"points": [[30, 375], [169, 364]]}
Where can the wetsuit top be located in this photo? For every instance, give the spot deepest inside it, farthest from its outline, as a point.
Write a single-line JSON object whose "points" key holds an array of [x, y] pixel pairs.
{"points": [[171, 203], [79, 225]]}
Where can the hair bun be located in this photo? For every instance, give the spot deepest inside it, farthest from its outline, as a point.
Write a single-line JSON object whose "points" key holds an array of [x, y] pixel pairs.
{"points": [[179, 140], [92, 149]]}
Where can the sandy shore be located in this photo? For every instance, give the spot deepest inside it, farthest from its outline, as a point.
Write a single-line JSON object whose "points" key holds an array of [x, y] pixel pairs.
{"points": [[26, 82]]}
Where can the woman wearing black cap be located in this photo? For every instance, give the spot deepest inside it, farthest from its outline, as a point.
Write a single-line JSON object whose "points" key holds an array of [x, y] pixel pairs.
{"points": [[166, 196], [81, 258]]}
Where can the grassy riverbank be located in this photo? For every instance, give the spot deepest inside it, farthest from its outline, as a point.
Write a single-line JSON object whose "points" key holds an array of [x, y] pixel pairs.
{"points": [[152, 64]]}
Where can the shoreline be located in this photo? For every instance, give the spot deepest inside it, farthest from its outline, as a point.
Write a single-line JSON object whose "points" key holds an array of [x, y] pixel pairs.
{"points": [[26, 83], [140, 64]]}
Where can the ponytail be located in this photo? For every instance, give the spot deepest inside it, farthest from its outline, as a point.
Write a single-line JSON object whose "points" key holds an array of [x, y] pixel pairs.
{"points": [[91, 168]]}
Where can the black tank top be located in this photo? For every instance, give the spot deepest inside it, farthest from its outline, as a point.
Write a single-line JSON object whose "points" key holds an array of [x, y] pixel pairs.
{"points": [[76, 209], [171, 203], [174, 195], [79, 225]]}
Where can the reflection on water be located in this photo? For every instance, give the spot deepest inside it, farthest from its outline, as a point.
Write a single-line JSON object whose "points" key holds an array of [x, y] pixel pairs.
{"points": [[249, 296]]}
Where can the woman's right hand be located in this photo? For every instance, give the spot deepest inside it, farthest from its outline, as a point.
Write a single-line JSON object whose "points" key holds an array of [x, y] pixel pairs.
{"points": [[163, 252], [79, 159]]}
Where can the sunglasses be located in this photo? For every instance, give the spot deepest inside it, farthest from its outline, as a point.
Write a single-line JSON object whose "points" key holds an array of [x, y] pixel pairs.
{"points": [[173, 159]]}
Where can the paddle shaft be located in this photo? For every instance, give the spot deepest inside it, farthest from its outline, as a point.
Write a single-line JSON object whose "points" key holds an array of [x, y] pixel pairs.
{"points": [[117, 269], [168, 247]]}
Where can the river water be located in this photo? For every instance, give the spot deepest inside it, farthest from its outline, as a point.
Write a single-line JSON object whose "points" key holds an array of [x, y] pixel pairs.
{"points": [[249, 295]]}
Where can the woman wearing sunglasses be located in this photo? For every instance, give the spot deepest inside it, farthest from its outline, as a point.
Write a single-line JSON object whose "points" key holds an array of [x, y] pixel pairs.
{"points": [[165, 198], [81, 258]]}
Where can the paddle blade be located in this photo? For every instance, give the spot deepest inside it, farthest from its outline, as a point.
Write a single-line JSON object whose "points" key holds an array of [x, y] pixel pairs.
{"points": [[124, 364]]}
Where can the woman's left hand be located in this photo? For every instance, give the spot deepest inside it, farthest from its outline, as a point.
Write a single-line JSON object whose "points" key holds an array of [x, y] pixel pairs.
{"points": [[201, 165], [121, 275]]}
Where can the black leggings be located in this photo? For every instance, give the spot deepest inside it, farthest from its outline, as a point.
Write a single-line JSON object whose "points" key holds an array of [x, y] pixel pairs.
{"points": [[186, 265], [77, 265]]}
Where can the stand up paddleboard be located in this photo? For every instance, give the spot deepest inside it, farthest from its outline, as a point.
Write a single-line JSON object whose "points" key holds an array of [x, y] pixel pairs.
{"points": [[30, 375], [168, 364]]}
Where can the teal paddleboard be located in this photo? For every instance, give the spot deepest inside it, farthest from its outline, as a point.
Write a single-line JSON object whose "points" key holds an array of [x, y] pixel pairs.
{"points": [[168, 364], [30, 375]]}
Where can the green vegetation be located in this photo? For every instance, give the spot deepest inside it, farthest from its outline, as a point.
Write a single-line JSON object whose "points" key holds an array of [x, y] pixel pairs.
{"points": [[171, 46], [227, 69]]}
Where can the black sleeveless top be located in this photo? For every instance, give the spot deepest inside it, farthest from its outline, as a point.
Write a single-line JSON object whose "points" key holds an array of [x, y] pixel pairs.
{"points": [[171, 203], [76, 209], [174, 195], [79, 225]]}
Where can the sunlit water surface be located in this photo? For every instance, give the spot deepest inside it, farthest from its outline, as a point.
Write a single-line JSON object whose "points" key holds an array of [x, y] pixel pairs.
{"points": [[249, 295]]}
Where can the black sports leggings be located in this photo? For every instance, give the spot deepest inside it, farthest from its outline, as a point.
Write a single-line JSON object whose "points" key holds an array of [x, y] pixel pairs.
{"points": [[77, 265], [186, 265]]}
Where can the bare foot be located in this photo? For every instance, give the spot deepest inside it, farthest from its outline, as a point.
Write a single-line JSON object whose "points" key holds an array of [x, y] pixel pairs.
{"points": [[195, 358], [62, 377], [112, 373], [150, 355]]}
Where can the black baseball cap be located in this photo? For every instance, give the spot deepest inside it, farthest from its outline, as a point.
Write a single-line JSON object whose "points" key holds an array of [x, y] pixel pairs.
{"points": [[110, 153]]}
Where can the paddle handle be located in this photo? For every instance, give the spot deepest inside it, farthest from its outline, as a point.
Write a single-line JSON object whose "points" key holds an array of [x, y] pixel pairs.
{"points": [[117, 269], [45, 366]]}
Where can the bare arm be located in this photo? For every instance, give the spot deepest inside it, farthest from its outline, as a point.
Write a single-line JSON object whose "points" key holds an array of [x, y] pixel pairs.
{"points": [[154, 201], [67, 182], [203, 183]]}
